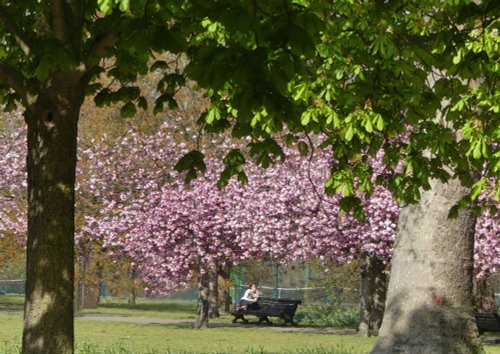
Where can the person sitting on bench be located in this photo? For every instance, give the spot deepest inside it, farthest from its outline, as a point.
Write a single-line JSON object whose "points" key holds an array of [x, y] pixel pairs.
{"points": [[250, 297]]}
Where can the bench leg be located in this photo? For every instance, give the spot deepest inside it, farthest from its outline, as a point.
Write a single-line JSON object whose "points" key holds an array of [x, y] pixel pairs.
{"points": [[266, 319], [239, 316]]}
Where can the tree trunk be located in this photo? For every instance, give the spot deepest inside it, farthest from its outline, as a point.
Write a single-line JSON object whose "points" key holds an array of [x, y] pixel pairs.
{"points": [[203, 307], [81, 284], [484, 294], [373, 294], [223, 284], [52, 137], [213, 291], [429, 307], [91, 296], [132, 288], [131, 300]]}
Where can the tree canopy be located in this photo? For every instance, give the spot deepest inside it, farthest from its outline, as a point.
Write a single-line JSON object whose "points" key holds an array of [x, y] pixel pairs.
{"points": [[369, 75]]}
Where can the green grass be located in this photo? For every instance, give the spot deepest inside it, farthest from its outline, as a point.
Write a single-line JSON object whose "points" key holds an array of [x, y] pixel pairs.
{"points": [[146, 308], [113, 337], [11, 302]]}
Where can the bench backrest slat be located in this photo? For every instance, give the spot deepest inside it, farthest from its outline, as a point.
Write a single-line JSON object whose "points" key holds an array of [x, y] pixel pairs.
{"points": [[276, 306], [487, 322]]}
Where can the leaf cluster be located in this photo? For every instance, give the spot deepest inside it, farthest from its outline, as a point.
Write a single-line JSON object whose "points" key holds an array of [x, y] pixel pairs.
{"points": [[417, 80]]}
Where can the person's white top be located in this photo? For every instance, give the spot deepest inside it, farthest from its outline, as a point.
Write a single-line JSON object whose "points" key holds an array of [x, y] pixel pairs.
{"points": [[250, 295]]}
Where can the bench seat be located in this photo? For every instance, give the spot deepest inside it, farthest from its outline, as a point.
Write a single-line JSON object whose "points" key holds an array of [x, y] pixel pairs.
{"points": [[487, 322]]}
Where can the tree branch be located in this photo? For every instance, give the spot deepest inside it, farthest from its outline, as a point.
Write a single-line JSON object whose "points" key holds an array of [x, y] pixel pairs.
{"points": [[15, 30], [101, 47], [59, 24], [14, 80]]}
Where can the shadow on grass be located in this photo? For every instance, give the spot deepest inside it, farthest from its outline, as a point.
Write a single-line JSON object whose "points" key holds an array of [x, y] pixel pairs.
{"points": [[167, 307], [11, 303]]}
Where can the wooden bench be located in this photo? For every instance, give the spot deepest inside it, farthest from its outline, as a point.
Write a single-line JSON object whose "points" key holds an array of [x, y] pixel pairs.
{"points": [[267, 307], [487, 322]]}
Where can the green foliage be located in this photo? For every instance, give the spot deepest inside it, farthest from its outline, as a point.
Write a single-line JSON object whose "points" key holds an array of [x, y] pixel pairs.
{"points": [[106, 6], [329, 316], [367, 75], [191, 163], [376, 77], [233, 162]]}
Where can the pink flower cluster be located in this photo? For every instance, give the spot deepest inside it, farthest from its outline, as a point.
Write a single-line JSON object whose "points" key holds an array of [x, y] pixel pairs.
{"points": [[137, 208]]}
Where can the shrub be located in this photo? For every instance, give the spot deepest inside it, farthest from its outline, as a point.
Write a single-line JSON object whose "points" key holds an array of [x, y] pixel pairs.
{"points": [[328, 316]]}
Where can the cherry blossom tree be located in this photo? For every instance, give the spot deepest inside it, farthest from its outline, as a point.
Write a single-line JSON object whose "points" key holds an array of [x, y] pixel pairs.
{"points": [[171, 233], [178, 232], [13, 183]]}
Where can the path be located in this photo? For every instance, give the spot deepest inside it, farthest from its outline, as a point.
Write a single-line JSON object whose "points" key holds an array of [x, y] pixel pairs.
{"points": [[187, 323]]}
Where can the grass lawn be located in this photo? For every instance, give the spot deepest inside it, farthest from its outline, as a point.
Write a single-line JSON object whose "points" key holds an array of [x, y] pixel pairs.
{"points": [[141, 338], [11, 302], [180, 310], [113, 337]]}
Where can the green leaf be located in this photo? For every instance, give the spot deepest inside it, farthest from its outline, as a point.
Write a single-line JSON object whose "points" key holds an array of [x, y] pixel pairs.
{"points": [[379, 122], [102, 98], [233, 161], [300, 92], [349, 134], [453, 213], [128, 110], [477, 188], [457, 58], [213, 114], [484, 148], [306, 117], [242, 177], [234, 158], [368, 124], [459, 106], [43, 69], [124, 5], [476, 153], [303, 148], [350, 204], [142, 103], [192, 162], [164, 38], [106, 6]]}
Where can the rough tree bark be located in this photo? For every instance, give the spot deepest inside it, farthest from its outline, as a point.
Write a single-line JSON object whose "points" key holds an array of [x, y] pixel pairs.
{"points": [[223, 284], [373, 294], [132, 287], [203, 307], [213, 293], [429, 307], [52, 138], [484, 294]]}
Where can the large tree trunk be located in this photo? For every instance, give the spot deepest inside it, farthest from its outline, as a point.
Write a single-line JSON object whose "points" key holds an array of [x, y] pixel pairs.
{"points": [[484, 294], [213, 291], [52, 137], [203, 307], [429, 306], [373, 294], [223, 284]]}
